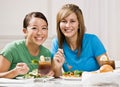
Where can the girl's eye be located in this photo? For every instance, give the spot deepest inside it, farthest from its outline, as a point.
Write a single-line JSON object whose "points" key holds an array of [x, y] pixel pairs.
{"points": [[33, 28], [45, 28], [72, 21], [63, 21]]}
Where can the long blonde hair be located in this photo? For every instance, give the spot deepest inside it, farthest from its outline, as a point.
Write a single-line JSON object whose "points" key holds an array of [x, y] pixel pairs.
{"points": [[65, 11]]}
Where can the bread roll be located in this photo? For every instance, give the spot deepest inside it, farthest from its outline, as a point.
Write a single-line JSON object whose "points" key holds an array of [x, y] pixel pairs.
{"points": [[106, 68]]}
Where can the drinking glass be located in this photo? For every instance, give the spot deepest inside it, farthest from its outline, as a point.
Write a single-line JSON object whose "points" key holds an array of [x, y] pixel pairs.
{"points": [[44, 66], [109, 62]]}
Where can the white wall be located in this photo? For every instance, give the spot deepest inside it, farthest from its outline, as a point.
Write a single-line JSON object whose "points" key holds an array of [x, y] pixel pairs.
{"points": [[13, 12], [12, 15], [102, 17]]}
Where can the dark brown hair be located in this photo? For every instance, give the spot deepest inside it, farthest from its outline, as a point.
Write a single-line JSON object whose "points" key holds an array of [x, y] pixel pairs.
{"points": [[33, 14]]}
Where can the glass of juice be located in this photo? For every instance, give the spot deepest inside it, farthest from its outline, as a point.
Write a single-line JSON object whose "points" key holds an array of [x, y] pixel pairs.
{"points": [[44, 65], [109, 62]]}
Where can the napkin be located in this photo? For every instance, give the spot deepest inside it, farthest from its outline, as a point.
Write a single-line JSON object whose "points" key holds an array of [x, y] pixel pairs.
{"points": [[108, 78]]}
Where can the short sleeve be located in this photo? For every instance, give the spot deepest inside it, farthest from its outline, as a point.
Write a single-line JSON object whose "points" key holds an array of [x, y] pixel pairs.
{"points": [[8, 52], [97, 46], [54, 46]]}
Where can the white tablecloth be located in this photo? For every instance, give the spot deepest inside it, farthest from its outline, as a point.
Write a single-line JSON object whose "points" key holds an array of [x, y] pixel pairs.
{"points": [[110, 79]]}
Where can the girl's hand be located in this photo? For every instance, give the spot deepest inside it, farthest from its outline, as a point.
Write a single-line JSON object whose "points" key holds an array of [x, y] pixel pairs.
{"points": [[59, 58], [21, 68], [51, 73]]}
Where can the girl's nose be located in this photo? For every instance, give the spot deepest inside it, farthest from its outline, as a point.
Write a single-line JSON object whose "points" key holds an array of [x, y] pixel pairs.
{"points": [[39, 31], [68, 24]]}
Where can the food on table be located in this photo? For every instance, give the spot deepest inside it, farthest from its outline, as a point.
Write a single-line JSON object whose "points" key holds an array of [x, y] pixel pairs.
{"points": [[44, 66], [33, 74], [75, 73], [106, 68]]}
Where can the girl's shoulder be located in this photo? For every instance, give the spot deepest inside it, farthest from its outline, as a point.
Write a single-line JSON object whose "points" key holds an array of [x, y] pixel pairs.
{"points": [[55, 39], [15, 44], [90, 36]]}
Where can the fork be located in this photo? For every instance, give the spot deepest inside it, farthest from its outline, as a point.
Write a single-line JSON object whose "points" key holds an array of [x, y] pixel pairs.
{"points": [[68, 65]]}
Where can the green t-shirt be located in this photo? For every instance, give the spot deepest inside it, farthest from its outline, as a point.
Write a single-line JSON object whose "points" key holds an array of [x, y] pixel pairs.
{"points": [[17, 52]]}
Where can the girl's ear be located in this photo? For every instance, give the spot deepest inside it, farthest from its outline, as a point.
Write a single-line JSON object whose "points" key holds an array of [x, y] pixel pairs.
{"points": [[24, 30]]}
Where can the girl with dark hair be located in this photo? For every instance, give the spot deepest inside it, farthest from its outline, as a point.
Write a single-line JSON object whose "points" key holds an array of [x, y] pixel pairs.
{"points": [[16, 57]]}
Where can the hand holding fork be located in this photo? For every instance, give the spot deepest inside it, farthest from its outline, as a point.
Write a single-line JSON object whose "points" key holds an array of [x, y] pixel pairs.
{"points": [[68, 65]]}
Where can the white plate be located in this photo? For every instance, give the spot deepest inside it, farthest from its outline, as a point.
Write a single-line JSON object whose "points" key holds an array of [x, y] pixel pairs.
{"points": [[71, 78], [37, 79], [44, 79]]}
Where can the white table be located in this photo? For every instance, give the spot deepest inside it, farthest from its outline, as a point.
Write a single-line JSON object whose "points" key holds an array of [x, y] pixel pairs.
{"points": [[57, 82]]}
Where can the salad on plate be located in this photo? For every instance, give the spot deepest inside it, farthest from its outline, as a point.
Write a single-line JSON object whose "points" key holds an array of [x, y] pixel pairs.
{"points": [[72, 75]]}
